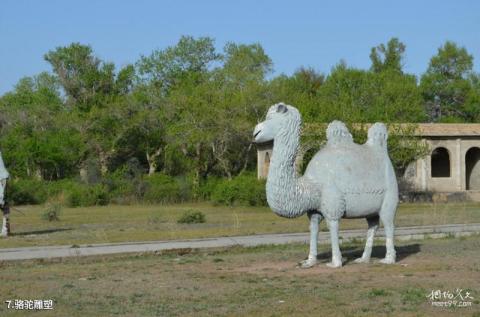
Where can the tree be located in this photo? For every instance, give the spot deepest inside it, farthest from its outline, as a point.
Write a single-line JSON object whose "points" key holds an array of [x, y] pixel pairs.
{"points": [[189, 57], [85, 78], [245, 63], [354, 95], [388, 57], [145, 134], [125, 80], [300, 89], [37, 136], [445, 85]]}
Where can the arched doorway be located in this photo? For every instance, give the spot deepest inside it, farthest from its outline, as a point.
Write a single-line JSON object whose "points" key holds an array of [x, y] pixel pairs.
{"points": [[440, 162], [472, 169]]}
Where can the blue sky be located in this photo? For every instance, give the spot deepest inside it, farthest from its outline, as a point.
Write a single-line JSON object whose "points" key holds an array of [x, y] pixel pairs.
{"points": [[294, 33]]}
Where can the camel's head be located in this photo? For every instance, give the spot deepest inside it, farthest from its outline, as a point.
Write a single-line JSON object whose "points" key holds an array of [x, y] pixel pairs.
{"points": [[280, 117]]}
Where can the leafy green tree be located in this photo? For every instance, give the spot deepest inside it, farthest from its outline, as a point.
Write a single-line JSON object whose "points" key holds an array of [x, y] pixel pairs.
{"points": [[189, 110], [145, 135], [41, 90], [125, 80], [389, 57], [446, 86], [189, 57], [301, 89], [245, 63], [37, 139], [85, 78], [354, 95], [472, 103]]}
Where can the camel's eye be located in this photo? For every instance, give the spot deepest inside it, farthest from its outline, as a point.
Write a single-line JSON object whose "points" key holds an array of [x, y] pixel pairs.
{"points": [[282, 108]]}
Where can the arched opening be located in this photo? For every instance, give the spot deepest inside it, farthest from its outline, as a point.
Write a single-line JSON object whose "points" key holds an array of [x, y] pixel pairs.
{"points": [[472, 169], [440, 162]]}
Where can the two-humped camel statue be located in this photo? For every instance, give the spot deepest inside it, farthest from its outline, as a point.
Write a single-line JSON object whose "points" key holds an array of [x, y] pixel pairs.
{"points": [[343, 180]]}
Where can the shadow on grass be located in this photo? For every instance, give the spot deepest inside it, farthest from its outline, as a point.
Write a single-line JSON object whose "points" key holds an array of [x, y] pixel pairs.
{"points": [[351, 253], [46, 231]]}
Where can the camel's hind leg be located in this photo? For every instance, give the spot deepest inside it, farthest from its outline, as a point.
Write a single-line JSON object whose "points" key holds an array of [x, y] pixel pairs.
{"points": [[372, 228], [387, 216], [6, 221], [336, 254]]}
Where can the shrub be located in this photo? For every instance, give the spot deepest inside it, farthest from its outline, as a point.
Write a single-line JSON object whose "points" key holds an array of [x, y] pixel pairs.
{"points": [[87, 195], [192, 216], [161, 188], [26, 191], [185, 186], [207, 187], [244, 189], [122, 188], [52, 213]]}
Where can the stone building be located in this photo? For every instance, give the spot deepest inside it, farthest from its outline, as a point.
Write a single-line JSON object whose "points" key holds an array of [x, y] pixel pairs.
{"points": [[451, 165]]}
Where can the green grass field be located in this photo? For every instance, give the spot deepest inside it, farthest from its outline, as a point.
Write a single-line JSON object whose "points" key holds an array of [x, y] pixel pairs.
{"points": [[159, 222], [260, 281]]}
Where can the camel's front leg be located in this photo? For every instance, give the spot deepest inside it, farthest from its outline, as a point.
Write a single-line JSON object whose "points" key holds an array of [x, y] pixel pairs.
{"points": [[336, 255], [315, 219]]}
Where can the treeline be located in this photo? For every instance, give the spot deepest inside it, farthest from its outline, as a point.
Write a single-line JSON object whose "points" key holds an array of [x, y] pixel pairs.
{"points": [[187, 111]]}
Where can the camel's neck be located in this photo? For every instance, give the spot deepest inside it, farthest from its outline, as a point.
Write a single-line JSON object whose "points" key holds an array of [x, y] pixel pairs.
{"points": [[287, 194]]}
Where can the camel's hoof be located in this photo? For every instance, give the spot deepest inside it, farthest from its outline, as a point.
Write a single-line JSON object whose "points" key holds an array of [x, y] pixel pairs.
{"points": [[388, 260], [306, 264], [334, 264], [362, 260]]}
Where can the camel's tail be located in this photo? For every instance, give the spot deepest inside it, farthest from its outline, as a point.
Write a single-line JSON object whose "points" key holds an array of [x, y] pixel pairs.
{"points": [[337, 132], [378, 135]]}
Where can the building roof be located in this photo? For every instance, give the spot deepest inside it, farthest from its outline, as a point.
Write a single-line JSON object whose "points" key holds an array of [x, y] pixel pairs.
{"points": [[448, 129], [420, 129]]}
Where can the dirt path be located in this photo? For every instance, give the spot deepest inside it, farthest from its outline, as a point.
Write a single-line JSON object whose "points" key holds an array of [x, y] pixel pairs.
{"points": [[402, 233]]}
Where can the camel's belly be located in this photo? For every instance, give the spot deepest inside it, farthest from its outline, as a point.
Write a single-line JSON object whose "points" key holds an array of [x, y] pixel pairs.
{"points": [[362, 205]]}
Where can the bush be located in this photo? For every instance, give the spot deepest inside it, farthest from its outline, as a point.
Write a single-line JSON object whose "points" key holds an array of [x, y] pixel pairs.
{"points": [[244, 189], [207, 188], [52, 213], [26, 191], [87, 195], [29, 191], [192, 216], [185, 185], [161, 188], [123, 188]]}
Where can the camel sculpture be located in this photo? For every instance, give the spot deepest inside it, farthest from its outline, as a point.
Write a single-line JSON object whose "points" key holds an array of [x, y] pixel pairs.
{"points": [[343, 180], [3, 205]]}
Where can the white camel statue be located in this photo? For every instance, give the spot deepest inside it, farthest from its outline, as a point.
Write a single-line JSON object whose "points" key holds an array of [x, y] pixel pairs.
{"points": [[343, 180]]}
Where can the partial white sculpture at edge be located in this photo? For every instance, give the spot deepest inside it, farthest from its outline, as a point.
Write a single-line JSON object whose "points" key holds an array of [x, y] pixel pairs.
{"points": [[343, 180], [3, 183]]}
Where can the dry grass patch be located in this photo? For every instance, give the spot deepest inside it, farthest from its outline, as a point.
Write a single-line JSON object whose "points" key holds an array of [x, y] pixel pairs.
{"points": [[114, 223], [259, 281]]}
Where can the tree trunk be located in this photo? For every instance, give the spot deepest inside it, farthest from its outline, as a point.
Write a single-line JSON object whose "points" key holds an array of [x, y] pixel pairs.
{"points": [[245, 162], [198, 170], [38, 173], [152, 161], [83, 174], [103, 164]]}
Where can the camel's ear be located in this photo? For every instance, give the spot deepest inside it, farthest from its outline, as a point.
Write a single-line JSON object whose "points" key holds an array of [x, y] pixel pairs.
{"points": [[282, 108]]}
